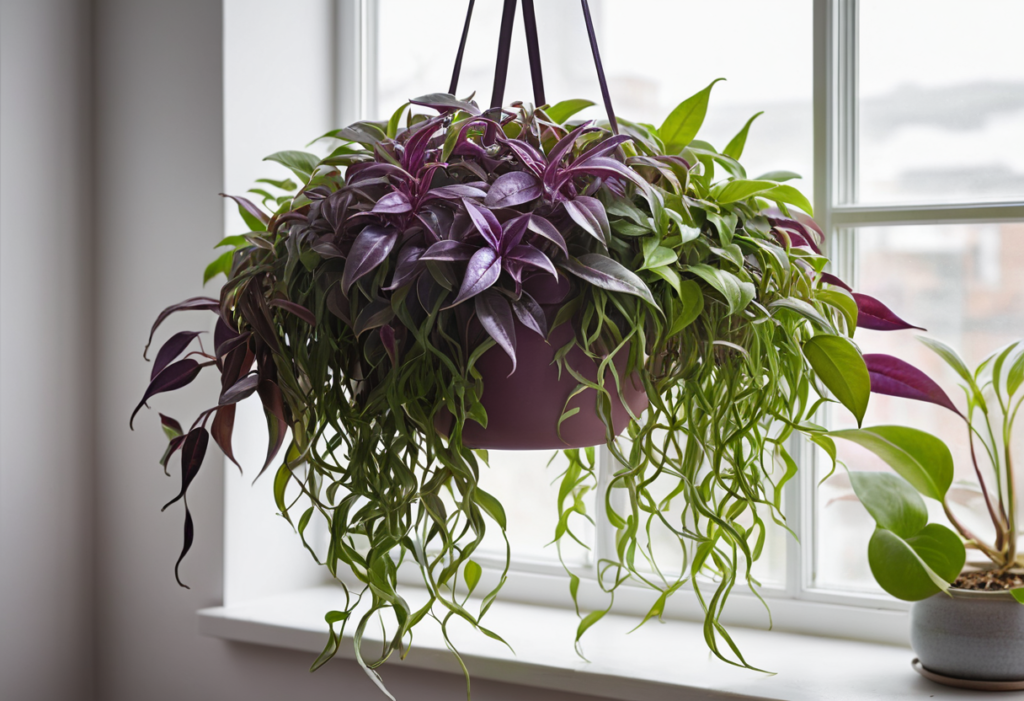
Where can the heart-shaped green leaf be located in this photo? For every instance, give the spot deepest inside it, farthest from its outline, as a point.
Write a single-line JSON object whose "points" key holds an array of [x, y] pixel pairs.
{"points": [[891, 501], [915, 568]]}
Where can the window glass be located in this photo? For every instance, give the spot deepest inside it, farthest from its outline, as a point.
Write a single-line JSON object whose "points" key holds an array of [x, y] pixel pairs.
{"points": [[963, 283], [941, 101]]}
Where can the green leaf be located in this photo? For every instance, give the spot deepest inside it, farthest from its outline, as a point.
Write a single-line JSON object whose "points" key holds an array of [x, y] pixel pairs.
{"points": [[658, 257], [472, 575], [682, 125], [779, 176], [915, 568], [601, 271], [236, 241], [736, 190], [844, 302], [892, 502], [803, 309], [491, 506], [839, 365], [1018, 594], [566, 108], [396, 118], [221, 265], [787, 194], [954, 361], [280, 485], [734, 149], [737, 293], [669, 275], [917, 456], [299, 162], [692, 300]]}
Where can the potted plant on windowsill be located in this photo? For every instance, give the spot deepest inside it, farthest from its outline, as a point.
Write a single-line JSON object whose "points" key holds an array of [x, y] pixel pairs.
{"points": [[509, 279], [967, 625]]}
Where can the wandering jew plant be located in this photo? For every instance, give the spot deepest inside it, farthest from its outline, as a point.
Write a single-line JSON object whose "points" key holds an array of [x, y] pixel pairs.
{"points": [[911, 558], [360, 304]]}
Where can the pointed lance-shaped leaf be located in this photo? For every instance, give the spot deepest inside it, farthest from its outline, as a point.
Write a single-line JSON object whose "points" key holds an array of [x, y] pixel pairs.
{"points": [[878, 317], [590, 215], [495, 315], [897, 378], [443, 102], [530, 314], [830, 279], [174, 376], [193, 451], [482, 271], [255, 218], [370, 249], [387, 339], [544, 228], [449, 251], [171, 426], [528, 255], [296, 309], [222, 429], [683, 123], [277, 424], [185, 546], [171, 350], [734, 149], [607, 274], [193, 304], [238, 391], [393, 203], [485, 222], [513, 188]]}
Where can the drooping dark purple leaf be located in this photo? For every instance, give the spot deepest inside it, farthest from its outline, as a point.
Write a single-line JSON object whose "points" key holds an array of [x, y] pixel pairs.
{"points": [[874, 315], [449, 251], [171, 350], [387, 339], [528, 255], [530, 314], [222, 333], [174, 376], [407, 267], [277, 424], [239, 390], [233, 343], [542, 227], [186, 546], [250, 208], [371, 247], [253, 306], [296, 309], [590, 215], [193, 451], [193, 304], [897, 378], [513, 188], [482, 271], [393, 203], [222, 429], [608, 274], [485, 222], [495, 315], [830, 279], [443, 102], [171, 426], [376, 313], [529, 156], [328, 249]]}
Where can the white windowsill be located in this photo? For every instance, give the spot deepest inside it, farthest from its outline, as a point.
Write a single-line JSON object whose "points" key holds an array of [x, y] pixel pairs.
{"points": [[658, 661]]}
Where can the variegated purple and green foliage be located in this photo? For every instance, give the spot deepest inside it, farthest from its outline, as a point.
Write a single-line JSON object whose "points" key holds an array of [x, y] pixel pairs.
{"points": [[359, 302]]}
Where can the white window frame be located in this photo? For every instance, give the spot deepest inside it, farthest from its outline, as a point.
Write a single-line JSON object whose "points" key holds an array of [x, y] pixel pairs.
{"points": [[799, 606]]}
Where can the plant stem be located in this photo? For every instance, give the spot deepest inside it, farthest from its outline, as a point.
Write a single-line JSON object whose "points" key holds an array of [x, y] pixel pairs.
{"points": [[998, 522], [1011, 498], [994, 555]]}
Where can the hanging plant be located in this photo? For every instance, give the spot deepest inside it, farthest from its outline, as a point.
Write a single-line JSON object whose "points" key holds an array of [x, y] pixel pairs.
{"points": [[382, 307]]}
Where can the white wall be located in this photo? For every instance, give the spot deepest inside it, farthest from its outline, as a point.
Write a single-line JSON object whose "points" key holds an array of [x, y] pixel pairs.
{"points": [[159, 148], [46, 342]]}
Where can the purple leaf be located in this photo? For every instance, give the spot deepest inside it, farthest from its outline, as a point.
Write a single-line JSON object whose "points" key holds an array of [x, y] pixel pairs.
{"points": [[171, 350], [560, 149], [530, 314], [251, 208], [482, 271], [232, 343], [874, 315], [485, 222], [601, 271], [514, 188], [528, 255], [193, 450], [392, 203], [605, 147], [186, 545], [387, 338], [407, 266], [495, 316], [543, 227], [193, 304], [589, 214], [174, 376], [328, 249], [443, 102], [830, 279], [376, 313], [273, 406], [897, 378], [239, 390], [171, 427], [605, 168], [371, 247], [222, 333], [296, 309], [222, 429], [449, 251], [458, 191]]}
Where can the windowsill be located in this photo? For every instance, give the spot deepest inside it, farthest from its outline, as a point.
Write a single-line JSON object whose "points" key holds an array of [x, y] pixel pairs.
{"points": [[658, 661]]}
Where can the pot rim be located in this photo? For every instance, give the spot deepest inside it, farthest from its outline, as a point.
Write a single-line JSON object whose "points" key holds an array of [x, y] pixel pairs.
{"points": [[981, 594]]}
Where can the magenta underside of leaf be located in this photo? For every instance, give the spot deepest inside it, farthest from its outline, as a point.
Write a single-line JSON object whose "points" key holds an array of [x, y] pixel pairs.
{"points": [[874, 315], [897, 378]]}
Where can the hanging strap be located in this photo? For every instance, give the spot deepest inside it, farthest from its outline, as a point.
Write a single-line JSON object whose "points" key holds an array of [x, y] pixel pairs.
{"points": [[533, 49]]}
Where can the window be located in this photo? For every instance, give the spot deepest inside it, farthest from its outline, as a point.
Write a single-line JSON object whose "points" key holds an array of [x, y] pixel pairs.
{"points": [[912, 151]]}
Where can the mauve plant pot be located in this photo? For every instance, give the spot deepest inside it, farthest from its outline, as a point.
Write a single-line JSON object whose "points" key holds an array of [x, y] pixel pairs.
{"points": [[523, 409], [977, 635]]}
